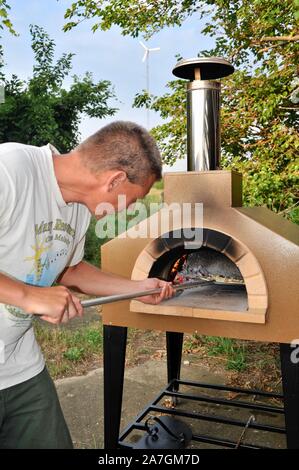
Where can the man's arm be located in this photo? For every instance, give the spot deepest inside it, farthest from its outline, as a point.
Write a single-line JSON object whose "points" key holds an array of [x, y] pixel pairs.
{"points": [[53, 304], [12, 292], [57, 304], [91, 280]]}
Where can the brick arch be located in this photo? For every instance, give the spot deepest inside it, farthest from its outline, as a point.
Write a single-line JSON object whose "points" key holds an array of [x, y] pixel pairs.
{"points": [[234, 249]]}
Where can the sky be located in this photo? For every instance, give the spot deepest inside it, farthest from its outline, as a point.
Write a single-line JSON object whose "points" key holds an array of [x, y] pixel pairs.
{"points": [[107, 54]]}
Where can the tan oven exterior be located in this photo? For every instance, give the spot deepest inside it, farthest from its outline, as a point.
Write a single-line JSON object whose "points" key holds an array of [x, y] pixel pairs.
{"points": [[264, 246]]}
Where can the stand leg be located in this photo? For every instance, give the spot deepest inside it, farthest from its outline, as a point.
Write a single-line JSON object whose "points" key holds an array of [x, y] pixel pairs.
{"points": [[115, 340], [290, 383], [174, 345]]}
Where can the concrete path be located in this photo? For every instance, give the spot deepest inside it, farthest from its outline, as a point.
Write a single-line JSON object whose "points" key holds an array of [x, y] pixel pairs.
{"points": [[82, 402]]}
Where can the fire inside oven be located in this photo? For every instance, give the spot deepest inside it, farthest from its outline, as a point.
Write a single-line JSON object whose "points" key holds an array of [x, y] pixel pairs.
{"points": [[222, 286]]}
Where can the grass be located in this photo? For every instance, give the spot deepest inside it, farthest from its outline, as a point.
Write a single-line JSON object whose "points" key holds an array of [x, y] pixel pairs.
{"points": [[70, 351], [248, 360], [231, 352], [234, 352], [75, 350]]}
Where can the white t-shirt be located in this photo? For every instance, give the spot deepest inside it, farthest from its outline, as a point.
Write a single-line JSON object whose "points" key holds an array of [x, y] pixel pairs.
{"points": [[40, 234]]}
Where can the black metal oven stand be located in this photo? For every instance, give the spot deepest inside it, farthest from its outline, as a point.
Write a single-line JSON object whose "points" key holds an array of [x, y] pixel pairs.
{"points": [[115, 339]]}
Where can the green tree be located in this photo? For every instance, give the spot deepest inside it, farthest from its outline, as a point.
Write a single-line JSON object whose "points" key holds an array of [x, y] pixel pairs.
{"points": [[259, 101], [4, 23], [150, 16], [4, 18], [40, 110]]}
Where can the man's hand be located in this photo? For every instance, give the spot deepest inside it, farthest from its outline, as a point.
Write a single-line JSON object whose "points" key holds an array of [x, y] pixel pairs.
{"points": [[53, 304], [152, 283]]}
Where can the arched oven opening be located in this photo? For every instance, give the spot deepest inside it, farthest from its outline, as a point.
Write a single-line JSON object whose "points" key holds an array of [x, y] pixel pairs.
{"points": [[230, 284], [223, 286]]}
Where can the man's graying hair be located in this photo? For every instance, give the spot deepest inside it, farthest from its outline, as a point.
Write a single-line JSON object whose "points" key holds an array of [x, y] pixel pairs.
{"points": [[122, 145]]}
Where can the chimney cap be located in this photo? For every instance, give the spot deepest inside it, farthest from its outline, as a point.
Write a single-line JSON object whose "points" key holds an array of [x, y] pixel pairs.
{"points": [[210, 68]]}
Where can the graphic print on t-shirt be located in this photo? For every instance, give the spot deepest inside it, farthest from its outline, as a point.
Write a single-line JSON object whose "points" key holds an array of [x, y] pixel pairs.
{"points": [[47, 264], [38, 263]]}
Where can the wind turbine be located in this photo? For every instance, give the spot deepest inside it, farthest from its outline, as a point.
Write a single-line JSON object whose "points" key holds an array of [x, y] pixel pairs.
{"points": [[145, 59]]}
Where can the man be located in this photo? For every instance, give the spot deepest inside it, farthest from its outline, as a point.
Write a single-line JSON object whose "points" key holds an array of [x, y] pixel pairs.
{"points": [[45, 205]]}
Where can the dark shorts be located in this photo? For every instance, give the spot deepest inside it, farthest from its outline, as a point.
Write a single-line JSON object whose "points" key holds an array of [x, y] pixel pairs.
{"points": [[31, 416]]}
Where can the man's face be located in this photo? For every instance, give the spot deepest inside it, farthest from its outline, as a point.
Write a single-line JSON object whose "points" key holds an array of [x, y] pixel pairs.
{"points": [[118, 193]]}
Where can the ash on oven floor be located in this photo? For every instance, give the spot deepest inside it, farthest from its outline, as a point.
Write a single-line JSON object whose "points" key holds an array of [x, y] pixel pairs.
{"points": [[213, 296]]}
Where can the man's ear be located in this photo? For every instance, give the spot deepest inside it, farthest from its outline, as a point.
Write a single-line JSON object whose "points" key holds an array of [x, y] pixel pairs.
{"points": [[116, 180]]}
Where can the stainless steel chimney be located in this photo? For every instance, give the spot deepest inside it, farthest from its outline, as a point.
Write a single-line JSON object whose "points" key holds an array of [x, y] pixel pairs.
{"points": [[203, 109]]}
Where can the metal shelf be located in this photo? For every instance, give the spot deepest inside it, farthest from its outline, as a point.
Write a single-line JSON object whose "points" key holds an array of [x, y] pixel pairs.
{"points": [[172, 391]]}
